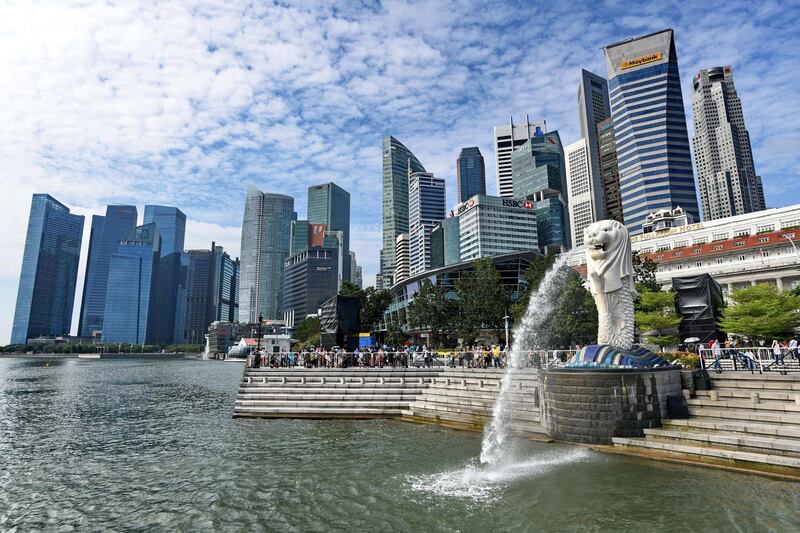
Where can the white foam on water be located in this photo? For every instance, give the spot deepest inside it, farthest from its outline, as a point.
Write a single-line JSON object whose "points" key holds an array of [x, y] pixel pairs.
{"points": [[484, 482]]}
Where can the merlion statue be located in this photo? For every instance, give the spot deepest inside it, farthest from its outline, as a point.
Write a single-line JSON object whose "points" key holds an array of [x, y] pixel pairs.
{"points": [[609, 264]]}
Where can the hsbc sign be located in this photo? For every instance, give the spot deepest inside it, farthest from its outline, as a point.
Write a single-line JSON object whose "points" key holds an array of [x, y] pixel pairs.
{"points": [[524, 204]]}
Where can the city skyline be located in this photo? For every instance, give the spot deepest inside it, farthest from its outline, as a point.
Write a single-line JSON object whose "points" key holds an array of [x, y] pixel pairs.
{"points": [[124, 163]]}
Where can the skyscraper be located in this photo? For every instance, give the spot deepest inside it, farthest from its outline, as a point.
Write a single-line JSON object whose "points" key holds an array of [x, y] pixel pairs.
{"points": [[506, 138], [355, 270], [129, 314], [593, 108], [298, 240], [265, 247], [579, 189], [426, 208], [329, 204], [489, 226], [49, 271], [401, 270], [104, 239], [609, 170], [470, 173], [726, 174], [655, 167], [171, 290], [396, 161], [212, 291], [310, 278], [171, 224], [539, 175]]}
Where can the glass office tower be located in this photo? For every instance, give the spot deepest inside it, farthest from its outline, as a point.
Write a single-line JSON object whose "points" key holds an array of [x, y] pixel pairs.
{"points": [[129, 314], [171, 224], [104, 239], [212, 291], [49, 271], [171, 292], [265, 247], [470, 173], [653, 156], [539, 174], [329, 204], [396, 161]]}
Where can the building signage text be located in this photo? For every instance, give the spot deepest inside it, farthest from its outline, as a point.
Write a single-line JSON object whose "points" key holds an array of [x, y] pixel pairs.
{"points": [[656, 56]]}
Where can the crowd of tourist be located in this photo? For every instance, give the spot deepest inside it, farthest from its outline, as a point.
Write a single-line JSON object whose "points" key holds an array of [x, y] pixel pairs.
{"points": [[475, 356]]}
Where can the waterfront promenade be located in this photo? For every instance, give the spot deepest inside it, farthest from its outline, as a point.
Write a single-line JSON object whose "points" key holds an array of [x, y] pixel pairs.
{"points": [[747, 421]]}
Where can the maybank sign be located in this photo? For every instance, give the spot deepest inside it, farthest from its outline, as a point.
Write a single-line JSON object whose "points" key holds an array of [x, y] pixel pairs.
{"points": [[640, 61]]}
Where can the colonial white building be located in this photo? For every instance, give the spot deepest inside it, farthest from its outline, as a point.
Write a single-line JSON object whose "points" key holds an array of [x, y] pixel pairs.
{"points": [[739, 251]]}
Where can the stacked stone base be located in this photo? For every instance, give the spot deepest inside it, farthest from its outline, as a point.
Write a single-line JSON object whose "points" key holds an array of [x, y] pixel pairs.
{"points": [[591, 406]]}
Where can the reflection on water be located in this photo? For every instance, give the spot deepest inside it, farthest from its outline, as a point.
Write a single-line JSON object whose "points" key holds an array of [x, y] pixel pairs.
{"points": [[133, 444]]}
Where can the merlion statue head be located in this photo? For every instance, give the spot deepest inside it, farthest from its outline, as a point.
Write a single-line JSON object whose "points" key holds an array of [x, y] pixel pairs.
{"points": [[608, 255]]}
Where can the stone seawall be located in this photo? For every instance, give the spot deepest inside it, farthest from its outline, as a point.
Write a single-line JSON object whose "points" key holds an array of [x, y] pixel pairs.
{"points": [[592, 406]]}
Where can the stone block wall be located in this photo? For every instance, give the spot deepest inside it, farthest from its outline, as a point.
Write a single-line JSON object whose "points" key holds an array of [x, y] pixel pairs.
{"points": [[591, 406]]}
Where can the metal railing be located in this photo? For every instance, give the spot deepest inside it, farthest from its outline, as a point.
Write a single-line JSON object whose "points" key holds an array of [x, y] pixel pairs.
{"points": [[382, 359], [752, 359]]}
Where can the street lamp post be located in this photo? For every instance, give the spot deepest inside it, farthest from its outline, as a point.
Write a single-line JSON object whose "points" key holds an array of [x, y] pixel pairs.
{"points": [[791, 241]]}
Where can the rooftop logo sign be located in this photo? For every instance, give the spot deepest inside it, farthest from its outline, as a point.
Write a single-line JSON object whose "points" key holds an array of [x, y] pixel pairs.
{"points": [[524, 204], [640, 61]]}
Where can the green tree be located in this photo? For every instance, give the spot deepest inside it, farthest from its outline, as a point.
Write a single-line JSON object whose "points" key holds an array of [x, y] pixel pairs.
{"points": [[656, 315], [481, 299], [394, 334], [351, 289], [373, 304], [762, 312], [575, 318], [533, 277], [431, 309], [644, 274], [308, 332]]}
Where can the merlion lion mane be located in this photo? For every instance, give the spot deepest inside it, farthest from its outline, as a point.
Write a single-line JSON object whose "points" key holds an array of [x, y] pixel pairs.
{"points": [[610, 279]]}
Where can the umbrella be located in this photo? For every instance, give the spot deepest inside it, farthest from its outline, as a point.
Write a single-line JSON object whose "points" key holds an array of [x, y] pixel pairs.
{"points": [[692, 339]]}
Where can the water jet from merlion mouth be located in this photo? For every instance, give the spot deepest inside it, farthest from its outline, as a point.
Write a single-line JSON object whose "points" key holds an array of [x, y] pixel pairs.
{"points": [[526, 337]]}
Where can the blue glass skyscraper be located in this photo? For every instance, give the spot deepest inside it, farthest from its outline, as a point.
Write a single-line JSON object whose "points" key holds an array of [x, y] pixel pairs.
{"points": [[470, 173], [539, 174], [170, 305], [49, 271], [171, 224], [132, 286], [654, 161], [104, 239]]}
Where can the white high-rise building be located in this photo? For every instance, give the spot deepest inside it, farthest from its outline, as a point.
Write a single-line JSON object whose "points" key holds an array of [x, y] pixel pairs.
{"points": [[723, 156], [401, 267], [489, 226], [506, 138], [426, 208], [580, 191]]}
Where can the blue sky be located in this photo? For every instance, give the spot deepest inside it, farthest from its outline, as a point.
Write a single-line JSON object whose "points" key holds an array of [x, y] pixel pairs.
{"points": [[185, 103]]}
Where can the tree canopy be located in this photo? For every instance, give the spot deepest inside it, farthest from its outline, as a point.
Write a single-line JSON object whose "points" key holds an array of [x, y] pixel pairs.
{"points": [[482, 300], [655, 314], [644, 273], [373, 303], [762, 312], [433, 310]]}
